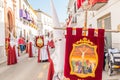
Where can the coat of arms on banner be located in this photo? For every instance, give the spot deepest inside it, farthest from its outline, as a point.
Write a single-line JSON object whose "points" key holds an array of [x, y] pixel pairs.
{"points": [[83, 58], [39, 42]]}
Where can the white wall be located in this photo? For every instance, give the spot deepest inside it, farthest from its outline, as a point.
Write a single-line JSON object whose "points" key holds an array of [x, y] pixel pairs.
{"points": [[19, 23], [46, 22], [2, 28], [2, 35], [115, 19], [113, 7]]}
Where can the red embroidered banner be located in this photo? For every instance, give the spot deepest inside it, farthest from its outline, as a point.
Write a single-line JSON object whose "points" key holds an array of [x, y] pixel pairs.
{"points": [[39, 41], [84, 55]]}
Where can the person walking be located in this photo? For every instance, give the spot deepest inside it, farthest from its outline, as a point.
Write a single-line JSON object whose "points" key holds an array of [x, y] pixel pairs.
{"points": [[12, 51], [44, 52], [21, 44]]}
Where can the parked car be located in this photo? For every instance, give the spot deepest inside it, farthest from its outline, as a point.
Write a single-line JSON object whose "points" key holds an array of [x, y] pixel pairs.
{"points": [[113, 57]]}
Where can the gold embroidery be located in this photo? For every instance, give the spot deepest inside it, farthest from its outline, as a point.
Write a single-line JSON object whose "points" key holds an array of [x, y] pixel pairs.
{"points": [[83, 58]]}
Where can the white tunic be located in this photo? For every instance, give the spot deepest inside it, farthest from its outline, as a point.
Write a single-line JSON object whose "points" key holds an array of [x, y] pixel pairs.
{"points": [[43, 50], [13, 42], [33, 47], [58, 55]]}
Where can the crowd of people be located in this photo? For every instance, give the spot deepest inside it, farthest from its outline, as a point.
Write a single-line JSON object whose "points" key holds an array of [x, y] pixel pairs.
{"points": [[18, 46]]}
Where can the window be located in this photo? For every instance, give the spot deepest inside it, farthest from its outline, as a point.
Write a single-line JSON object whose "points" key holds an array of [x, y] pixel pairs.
{"points": [[105, 22], [75, 10], [74, 19]]}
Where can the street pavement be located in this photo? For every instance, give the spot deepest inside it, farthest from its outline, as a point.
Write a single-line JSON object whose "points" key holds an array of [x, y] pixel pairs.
{"points": [[25, 69], [115, 75], [30, 69]]}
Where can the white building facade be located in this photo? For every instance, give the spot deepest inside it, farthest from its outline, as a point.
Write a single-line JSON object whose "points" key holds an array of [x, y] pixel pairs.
{"points": [[105, 16], [26, 20], [17, 16], [44, 22], [2, 30]]}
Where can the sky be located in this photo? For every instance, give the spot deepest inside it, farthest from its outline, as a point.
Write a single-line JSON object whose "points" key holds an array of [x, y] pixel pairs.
{"points": [[44, 5]]}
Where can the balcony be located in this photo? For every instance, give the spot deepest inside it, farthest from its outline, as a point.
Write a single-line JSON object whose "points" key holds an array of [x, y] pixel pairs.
{"points": [[97, 4]]}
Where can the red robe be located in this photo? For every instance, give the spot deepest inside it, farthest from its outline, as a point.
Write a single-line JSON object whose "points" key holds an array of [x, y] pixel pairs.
{"points": [[11, 58], [30, 50]]}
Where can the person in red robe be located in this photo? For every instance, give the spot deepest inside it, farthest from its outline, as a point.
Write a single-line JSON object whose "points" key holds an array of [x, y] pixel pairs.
{"points": [[30, 49], [12, 57]]}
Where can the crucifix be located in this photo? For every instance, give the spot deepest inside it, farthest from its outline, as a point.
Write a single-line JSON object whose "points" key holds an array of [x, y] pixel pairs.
{"points": [[83, 52]]}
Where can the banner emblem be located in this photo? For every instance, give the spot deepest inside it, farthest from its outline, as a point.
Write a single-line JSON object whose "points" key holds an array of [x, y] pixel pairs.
{"points": [[83, 58], [39, 42]]}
